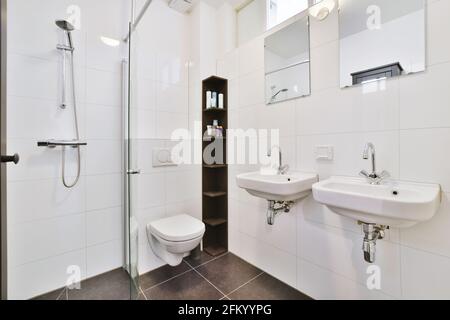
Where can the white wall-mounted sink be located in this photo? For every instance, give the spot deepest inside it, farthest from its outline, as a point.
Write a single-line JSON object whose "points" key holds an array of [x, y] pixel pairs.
{"points": [[288, 187], [394, 204]]}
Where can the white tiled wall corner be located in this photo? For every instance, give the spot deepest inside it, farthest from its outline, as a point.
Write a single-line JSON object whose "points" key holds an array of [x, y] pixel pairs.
{"points": [[53, 272], [104, 257], [406, 119]]}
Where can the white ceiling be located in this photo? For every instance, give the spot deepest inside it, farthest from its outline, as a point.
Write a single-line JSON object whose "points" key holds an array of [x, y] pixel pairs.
{"points": [[237, 4]]}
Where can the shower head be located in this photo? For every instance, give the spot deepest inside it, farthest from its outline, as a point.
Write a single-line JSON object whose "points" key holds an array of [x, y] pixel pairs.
{"points": [[65, 25], [68, 28], [276, 94]]}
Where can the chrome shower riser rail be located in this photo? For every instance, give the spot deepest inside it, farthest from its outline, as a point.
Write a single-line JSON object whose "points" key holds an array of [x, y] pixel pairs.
{"points": [[61, 143]]}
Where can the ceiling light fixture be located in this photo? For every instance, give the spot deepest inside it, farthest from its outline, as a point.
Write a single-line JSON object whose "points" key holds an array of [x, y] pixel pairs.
{"points": [[321, 9], [110, 41]]}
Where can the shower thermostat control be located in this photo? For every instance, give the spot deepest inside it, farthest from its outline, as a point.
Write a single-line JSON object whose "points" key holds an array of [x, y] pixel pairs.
{"points": [[162, 157]]}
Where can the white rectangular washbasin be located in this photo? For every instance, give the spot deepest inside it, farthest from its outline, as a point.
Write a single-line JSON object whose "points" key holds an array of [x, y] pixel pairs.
{"points": [[288, 187], [396, 204]]}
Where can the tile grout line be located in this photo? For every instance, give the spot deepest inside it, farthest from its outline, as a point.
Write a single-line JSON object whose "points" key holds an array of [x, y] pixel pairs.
{"points": [[143, 293], [204, 263], [174, 277], [243, 285], [220, 291], [183, 273], [224, 295]]}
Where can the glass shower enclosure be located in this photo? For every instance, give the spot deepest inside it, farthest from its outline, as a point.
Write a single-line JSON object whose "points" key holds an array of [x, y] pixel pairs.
{"points": [[131, 140]]}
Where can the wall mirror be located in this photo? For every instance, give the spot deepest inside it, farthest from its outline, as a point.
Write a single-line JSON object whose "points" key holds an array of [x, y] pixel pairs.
{"points": [[380, 39], [287, 64]]}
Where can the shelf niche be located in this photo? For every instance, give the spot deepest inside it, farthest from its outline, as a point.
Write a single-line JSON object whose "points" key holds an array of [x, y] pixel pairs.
{"points": [[215, 176]]}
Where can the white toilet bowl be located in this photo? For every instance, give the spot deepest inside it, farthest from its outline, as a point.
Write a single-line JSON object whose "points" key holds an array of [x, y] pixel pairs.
{"points": [[172, 239]]}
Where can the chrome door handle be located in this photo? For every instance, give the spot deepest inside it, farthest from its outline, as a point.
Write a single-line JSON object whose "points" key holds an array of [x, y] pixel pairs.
{"points": [[14, 158], [135, 171]]}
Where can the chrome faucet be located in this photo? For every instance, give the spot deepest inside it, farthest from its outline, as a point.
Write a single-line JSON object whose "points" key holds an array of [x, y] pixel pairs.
{"points": [[373, 177], [282, 169]]}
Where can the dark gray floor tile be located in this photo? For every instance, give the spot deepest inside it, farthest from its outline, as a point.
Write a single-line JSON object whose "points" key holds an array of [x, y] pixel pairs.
{"points": [[54, 295], [228, 272], [161, 274], [141, 297], [189, 286], [198, 258], [266, 287], [114, 285]]}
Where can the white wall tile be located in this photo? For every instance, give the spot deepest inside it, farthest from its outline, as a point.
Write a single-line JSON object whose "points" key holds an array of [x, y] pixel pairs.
{"points": [[111, 191], [431, 235], [182, 186], [52, 274], [167, 123], [421, 154], [54, 200], [150, 190], [251, 88], [46, 238], [251, 56], [342, 250], [25, 76], [348, 150], [424, 275], [279, 116], [103, 122], [171, 69], [277, 263], [42, 119], [104, 225], [437, 20], [145, 93], [424, 99], [143, 123], [228, 67], [367, 108], [322, 284], [103, 157], [103, 88], [325, 66], [191, 207], [172, 98], [104, 257]]}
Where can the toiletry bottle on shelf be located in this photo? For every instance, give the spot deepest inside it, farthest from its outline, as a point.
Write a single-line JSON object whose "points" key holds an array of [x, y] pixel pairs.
{"points": [[214, 127], [208, 99], [209, 130], [219, 131], [214, 100], [221, 104]]}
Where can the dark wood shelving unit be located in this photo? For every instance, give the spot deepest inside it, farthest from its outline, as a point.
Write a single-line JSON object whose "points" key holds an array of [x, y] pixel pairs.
{"points": [[214, 166], [214, 222], [215, 194], [215, 175]]}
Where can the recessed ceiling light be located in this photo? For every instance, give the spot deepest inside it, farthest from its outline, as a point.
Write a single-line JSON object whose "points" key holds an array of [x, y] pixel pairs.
{"points": [[110, 41]]}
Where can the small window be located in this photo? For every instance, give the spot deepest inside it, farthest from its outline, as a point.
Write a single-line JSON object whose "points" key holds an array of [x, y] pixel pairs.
{"points": [[281, 10]]}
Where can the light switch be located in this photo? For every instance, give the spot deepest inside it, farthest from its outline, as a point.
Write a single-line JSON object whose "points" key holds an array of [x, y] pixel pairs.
{"points": [[325, 153]]}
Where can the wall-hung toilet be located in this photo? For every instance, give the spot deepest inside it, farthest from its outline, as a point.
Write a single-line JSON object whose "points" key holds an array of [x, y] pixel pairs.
{"points": [[173, 238]]}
